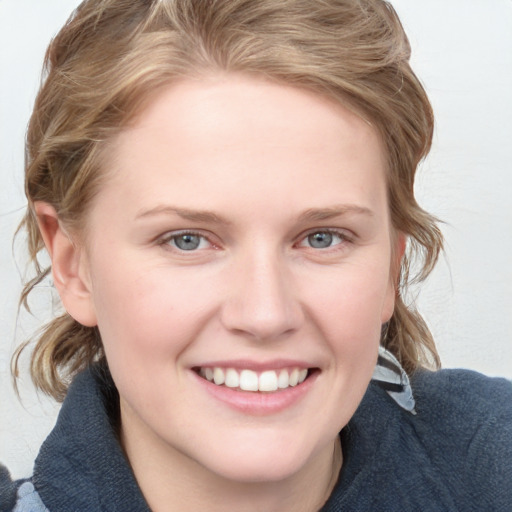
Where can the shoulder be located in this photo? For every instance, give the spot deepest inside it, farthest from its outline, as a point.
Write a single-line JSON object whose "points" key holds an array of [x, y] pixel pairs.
{"points": [[461, 398], [461, 407], [18, 495], [455, 453], [465, 419]]}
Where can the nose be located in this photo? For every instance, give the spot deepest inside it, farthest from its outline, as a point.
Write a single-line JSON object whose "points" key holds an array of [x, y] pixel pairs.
{"points": [[262, 302]]}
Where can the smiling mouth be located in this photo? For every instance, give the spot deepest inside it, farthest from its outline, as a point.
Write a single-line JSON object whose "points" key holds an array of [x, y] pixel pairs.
{"points": [[249, 380]]}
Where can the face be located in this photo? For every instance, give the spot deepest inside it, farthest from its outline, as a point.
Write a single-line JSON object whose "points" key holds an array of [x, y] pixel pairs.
{"points": [[238, 265]]}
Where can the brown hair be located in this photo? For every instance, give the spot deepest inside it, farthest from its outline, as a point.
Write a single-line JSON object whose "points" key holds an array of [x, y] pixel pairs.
{"points": [[112, 54]]}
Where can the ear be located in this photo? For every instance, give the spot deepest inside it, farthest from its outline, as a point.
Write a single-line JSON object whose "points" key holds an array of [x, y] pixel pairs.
{"points": [[69, 266], [399, 244]]}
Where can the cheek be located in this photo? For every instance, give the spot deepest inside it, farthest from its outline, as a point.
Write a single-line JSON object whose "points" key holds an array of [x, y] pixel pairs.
{"points": [[151, 314], [349, 310], [353, 299]]}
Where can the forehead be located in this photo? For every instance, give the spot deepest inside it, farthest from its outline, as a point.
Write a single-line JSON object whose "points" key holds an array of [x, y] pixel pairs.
{"points": [[228, 133], [210, 103]]}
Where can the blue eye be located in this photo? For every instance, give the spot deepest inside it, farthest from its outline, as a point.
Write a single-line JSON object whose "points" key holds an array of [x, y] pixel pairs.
{"points": [[322, 239], [187, 241]]}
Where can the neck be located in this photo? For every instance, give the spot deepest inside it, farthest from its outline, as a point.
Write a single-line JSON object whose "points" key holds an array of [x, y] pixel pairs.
{"points": [[171, 481]]}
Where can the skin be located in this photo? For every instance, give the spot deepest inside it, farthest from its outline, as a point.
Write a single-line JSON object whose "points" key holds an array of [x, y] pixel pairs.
{"points": [[271, 164]]}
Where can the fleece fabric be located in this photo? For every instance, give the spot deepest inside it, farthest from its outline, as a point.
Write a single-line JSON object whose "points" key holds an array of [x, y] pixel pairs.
{"points": [[454, 454]]}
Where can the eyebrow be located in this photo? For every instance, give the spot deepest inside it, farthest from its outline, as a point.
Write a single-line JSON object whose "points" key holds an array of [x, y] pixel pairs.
{"points": [[184, 213], [206, 216], [318, 214]]}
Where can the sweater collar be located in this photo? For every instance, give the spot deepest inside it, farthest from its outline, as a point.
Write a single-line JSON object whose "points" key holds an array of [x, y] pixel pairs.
{"points": [[81, 465]]}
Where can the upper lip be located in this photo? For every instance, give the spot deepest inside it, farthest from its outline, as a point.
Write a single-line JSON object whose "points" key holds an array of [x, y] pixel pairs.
{"points": [[257, 366]]}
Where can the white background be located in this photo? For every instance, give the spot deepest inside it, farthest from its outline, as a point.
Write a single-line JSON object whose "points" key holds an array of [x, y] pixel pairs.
{"points": [[462, 51]]}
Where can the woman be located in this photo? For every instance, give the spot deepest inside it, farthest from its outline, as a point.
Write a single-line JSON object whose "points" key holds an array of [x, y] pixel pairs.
{"points": [[225, 190]]}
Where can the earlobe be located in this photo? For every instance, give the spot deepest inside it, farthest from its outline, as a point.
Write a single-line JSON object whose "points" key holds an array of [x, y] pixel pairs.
{"points": [[69, 266]]}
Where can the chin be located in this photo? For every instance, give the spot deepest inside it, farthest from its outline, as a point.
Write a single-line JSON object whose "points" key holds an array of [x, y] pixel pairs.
{"points": [[261, 461], [271, 470]]}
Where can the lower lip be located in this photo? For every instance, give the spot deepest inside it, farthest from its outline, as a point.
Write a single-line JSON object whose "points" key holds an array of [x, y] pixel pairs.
{"points": [[256, 403]]}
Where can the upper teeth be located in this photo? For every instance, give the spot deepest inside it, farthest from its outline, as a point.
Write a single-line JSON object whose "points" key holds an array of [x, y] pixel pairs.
{"points": [[249, 380]]}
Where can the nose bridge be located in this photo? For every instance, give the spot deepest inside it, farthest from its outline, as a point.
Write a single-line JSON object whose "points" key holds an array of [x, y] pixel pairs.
{"points": [[263, 302]]}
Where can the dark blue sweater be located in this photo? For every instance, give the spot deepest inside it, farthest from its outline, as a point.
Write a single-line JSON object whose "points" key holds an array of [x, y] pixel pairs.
{"points": [[455, 454]]}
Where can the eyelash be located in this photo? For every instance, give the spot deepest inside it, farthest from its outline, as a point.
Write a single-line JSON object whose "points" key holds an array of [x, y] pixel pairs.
{"points": [[168, 238], [340, 233]]}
